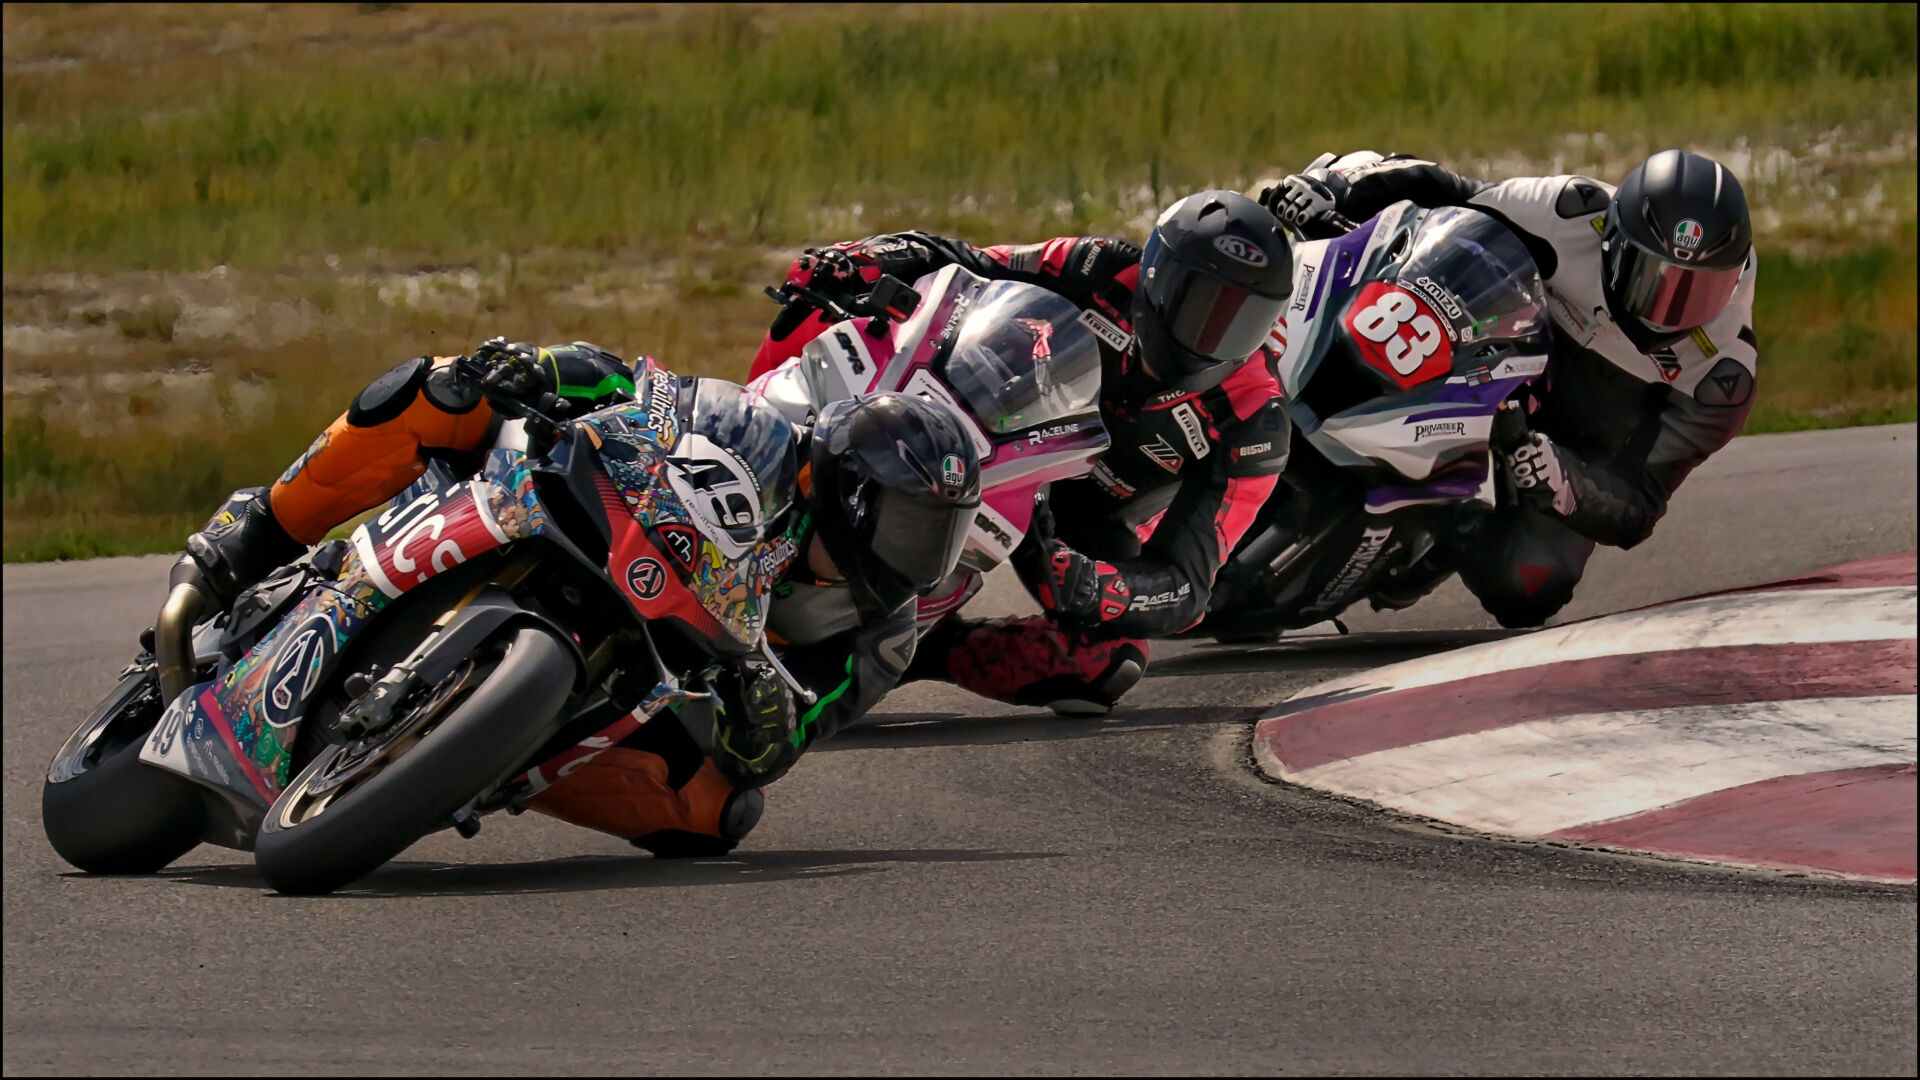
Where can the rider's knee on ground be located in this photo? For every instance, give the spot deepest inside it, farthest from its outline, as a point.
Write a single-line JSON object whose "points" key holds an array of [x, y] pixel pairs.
{"points": [[1034, 661]]}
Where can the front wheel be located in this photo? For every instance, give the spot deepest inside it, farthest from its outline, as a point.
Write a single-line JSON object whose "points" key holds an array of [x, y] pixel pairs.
{"points": [[362, 802], [103, 809]]}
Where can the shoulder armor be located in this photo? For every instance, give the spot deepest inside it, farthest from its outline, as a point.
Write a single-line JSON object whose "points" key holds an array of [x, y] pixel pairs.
{"points": [[1579, 198], [1728, 384]]}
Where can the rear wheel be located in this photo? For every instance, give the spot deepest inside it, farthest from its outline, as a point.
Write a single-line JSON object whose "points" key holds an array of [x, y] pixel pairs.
{"points": [[359, 803], [106, 812]]}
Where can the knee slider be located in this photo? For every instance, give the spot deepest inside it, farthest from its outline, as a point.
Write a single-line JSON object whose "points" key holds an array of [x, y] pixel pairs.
{"points": [[389, 395]]}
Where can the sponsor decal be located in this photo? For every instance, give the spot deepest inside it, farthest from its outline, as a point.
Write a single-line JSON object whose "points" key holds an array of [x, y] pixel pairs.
{"points": [[1034, 438], [1105, 330], [992, 528], [1105, 477], [1363, 556], [953, 472], [646, 578], [1161, 599], [1704, 342], [1093, 252], [854, 359], [1162, 453], [1240, 250], [1248, 451], [1438, 293], [1305, 293], [778, 556], [960, 304], [661, 400], [1668, 363], [682, 543], [1687, 234], [1190, 426], [1599, 224], [1455, 428], [296, 670]]}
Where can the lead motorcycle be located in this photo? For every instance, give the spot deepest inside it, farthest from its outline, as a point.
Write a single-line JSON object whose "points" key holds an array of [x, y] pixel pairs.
{"points": [[1403, 341], [1016, 362], [455, 656]]}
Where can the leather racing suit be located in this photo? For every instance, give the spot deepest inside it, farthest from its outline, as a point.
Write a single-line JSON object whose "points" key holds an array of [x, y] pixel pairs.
{"points": [[655, 787], [1180, 483], [1629, 412]]}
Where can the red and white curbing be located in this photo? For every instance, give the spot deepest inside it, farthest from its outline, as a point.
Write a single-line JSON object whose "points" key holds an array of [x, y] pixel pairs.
{"points": [[1770, 727]]}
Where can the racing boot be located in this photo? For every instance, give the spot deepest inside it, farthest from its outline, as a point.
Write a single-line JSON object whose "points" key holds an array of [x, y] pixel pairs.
{"points": [[656, 790], [1032, 661], [242, 543]]}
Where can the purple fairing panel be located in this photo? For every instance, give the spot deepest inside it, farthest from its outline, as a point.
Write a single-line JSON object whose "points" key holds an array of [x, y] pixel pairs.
{"points": [[1487, 394], [1460, 482], [1343, 261]]}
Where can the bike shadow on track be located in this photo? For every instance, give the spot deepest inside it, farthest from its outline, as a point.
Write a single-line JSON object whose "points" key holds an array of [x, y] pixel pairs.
{"points": [[585, 873]]}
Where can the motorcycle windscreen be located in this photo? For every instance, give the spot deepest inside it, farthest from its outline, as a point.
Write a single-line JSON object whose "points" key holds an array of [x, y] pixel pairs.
{"points": [[1023, 358], [1467, 258]]}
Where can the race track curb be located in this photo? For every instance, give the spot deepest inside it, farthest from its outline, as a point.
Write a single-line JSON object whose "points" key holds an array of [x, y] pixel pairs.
{"points": [[1771, 726]]}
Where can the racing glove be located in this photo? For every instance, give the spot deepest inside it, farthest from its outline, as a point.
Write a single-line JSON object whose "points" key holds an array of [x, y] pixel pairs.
{"points": [[1300, 200], [1531, 461], [754, 725], [513, 370], [1073, 587], [834, 271]]}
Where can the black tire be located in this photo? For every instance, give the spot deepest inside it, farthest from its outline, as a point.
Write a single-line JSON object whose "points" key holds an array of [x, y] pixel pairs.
{"points": [[106, 812], [313, 842]]}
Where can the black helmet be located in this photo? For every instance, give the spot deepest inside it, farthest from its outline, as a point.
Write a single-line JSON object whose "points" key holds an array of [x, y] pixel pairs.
{"points": [[1215, 276], [895, 485], [1676, 239]]}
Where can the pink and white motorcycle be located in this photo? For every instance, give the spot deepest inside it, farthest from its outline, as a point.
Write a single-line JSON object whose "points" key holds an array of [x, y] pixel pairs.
{"points": [[1014, 361]]}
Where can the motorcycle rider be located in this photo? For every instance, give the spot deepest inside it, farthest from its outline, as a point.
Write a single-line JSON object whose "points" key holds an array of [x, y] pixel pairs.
{"points": [[874, 522], [1199, 436], [1650, 286]]}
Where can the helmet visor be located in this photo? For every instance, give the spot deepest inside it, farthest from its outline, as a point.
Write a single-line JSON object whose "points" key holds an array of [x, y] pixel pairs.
{"points": [[1666, 295], [920, 541], [1203, 313]]}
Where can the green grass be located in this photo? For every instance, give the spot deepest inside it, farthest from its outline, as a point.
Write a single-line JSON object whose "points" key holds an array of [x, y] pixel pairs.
{"points": [[720, 126], [656, 156]]}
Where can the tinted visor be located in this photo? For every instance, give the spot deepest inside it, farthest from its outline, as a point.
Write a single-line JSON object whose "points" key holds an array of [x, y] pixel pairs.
{"points": [[917, 540], [1666, 295], [1203, 313]]}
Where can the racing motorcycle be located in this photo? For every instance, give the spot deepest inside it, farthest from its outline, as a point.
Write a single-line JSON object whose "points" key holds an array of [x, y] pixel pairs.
{"points": [[1016, 362], [454, 657], [1405, 338]]}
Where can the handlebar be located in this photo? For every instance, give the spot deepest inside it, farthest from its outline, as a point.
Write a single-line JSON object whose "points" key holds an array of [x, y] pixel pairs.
{"points": [[539, 423], [891, 300]]}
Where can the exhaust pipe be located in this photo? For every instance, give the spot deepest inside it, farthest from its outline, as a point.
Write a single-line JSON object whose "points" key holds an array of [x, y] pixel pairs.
{"points": [[173, 631]]}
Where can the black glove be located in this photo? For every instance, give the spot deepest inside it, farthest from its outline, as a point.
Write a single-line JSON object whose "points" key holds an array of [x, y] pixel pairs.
{"points": [[1300, 200], [1069, 585], [513, 370], [754, 726], [833, 272]]}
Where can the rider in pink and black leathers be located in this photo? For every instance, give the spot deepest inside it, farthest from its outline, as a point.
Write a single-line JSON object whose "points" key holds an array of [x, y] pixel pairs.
{"points": [[1199, 437]]}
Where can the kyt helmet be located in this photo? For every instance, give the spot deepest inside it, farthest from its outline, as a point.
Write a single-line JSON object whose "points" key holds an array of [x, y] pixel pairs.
{"points": [[1215, 276], [895, 484], [1676, 239]]}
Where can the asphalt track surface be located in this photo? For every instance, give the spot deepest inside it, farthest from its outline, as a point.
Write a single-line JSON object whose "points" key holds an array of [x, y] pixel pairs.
{"points": [[960, 888]]}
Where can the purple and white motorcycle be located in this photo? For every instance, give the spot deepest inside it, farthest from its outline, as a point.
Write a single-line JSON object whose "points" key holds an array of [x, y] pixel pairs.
{"points": [[1403, 340]]}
